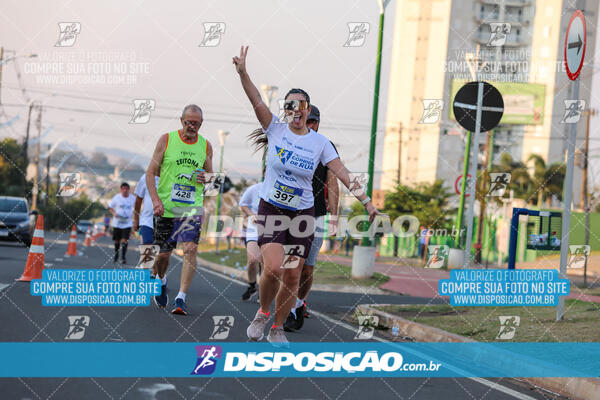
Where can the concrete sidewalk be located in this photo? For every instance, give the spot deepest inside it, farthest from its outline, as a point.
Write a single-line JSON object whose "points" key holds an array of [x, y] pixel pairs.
{"points": [[407, 278]]}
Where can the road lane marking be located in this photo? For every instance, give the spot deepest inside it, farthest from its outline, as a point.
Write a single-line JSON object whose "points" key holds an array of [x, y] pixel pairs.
{"points": [[485, 382]]}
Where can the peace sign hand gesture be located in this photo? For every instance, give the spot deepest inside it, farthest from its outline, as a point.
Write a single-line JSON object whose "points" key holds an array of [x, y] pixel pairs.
{"points": [[240, 62]]}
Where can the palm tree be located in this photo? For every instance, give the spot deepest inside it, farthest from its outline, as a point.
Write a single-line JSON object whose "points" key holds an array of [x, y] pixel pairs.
{"points": [[547, 180], [539, 176], [520, 181]]}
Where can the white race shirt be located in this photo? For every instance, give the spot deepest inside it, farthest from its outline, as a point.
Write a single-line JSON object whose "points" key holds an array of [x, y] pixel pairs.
{"points": [[123, 207], [291, 163], [250, 199], [147, 214]]}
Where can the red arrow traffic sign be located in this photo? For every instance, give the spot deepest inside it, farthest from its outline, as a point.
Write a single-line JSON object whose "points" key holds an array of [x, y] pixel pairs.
{"points": [[575, 43]]}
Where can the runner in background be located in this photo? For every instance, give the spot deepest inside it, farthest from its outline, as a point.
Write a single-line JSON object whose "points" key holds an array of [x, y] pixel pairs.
{"points": [[228, 237], [121, 208], [249, 205], [106, 223], [326, 194], [182, 158], [144, 222]]}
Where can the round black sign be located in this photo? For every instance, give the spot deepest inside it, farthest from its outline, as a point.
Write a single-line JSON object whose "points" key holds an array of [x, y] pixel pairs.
{"points": [[465, 106]]}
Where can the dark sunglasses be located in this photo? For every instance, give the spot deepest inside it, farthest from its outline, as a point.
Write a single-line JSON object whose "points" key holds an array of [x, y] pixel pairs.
{"points": [[192, 123], [295, 105]]}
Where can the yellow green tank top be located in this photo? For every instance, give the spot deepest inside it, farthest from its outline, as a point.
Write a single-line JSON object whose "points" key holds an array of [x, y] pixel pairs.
{"points": [[177, 187]]}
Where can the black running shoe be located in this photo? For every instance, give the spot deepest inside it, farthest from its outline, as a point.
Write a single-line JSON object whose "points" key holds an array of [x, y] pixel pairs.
{"points": [[290, 323], [294, 322], [299, 317], [250, 291], [163, 299]]}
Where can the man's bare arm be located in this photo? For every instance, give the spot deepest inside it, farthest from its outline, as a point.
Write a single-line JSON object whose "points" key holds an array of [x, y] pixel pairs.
{"points": [[209, 155]]}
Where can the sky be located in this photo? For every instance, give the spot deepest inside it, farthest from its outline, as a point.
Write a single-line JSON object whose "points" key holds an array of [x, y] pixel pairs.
{"points": [[153, 50]]}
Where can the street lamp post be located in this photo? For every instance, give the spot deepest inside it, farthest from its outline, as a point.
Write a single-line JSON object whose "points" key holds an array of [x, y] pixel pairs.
{"points": [[382, 4], [25, 147], [222, 138], [269, 93], [363, 258], [37, 161]]}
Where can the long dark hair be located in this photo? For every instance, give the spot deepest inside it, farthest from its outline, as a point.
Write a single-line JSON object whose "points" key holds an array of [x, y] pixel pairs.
{"points": [[258, 138]]}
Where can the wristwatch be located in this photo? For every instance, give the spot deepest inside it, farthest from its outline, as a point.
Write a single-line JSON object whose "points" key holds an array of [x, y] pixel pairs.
{"points": [[366, 200]]}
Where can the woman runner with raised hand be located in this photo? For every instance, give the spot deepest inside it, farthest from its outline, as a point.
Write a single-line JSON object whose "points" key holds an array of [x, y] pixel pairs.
{"points": [[293, 153]]}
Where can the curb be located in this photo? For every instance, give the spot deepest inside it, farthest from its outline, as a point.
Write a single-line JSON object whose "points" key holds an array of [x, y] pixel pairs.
{"points": [[241, 275], [575, 388]]}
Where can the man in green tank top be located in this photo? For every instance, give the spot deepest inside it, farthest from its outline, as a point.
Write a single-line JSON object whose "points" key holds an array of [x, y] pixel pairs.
{"points": [[183, 158]]}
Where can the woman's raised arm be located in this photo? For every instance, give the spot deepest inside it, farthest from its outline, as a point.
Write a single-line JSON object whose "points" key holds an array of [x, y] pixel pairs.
{"points": [[263, 114]]}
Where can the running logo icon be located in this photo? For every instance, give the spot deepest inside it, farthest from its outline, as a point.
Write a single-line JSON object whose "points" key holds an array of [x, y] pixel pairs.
{"points": [[223, 324], [366, 326], [578, 254], [438, 256], [207, 359], [68, 33], [357, 34], [213, 31], [142, 109], [498, 183], [213, 184], [432, 110], [508, 327], [148, 253], [283, 117], [77, 325], [283, 154], [69, 183], [188, 223], [573, 110], [499, 33], [358, 183], [292, 253]]}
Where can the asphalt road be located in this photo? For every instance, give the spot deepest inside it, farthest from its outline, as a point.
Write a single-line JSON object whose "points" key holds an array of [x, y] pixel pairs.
{"points": [[24, 319]]}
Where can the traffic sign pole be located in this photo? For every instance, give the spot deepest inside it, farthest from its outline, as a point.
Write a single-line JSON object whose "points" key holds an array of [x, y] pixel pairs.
{"points": [[472, 182], [567, 200], [463, 188], [574, 53], [478, 107]]}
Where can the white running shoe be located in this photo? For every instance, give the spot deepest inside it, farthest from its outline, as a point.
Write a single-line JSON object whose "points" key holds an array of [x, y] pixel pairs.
{"points": [[257, 327]]}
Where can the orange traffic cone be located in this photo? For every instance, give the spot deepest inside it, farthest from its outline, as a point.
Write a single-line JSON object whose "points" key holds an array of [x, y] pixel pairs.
{"points": [[72, 248], [35, 259], [88, 238]]}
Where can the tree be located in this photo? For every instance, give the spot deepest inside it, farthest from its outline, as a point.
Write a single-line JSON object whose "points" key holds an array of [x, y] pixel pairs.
{"points": [[12, 170], [63, 214], [428, 202], [547, 180], [520, 180], [241, 185]]}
